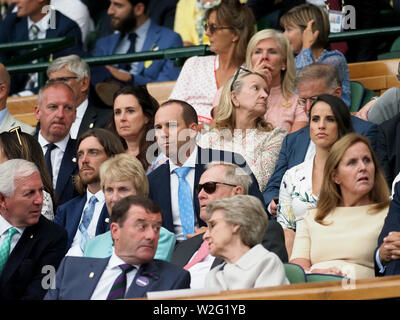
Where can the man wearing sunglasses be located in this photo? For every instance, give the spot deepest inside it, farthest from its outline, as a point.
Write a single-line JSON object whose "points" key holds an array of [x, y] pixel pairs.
{"points": [[313, 80], [220, 180], [172, 183], [7, 121]]}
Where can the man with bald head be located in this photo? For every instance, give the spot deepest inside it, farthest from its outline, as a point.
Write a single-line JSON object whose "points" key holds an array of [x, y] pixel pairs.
{"points": [[7, 121]]}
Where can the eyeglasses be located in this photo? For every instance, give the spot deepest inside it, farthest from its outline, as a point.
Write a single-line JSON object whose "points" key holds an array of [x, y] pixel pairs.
{"points": [[244, 70], [211, 186], [62, 79], [212, 27], [303, 101], [17, 131]]}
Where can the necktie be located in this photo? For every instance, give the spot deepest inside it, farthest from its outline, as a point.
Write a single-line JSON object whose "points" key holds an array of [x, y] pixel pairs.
{"points": [[87, 217], [5, 248], [132, 39], [203, 252], [47, 158], [185, 201], [119, 286]]}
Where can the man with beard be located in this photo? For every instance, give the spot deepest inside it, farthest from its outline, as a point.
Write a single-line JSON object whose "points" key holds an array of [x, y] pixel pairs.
{"points": [[86, 216], [56, 111], [136, 33]]}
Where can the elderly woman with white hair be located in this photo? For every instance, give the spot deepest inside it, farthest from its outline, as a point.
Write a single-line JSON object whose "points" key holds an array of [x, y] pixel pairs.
{"points": [[236, 228]]}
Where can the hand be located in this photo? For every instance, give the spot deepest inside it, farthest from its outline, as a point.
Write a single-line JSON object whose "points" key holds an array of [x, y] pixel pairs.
{"points": [[390, 248], [309, 37], [196, 232], [363, 112], [119, 75], [265, 69], [332, 270], [273, 208]]}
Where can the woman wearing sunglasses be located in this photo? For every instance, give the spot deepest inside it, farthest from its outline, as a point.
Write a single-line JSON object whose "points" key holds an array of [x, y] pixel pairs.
{"points": [[239, 125], [229, 27], [269, 54]]}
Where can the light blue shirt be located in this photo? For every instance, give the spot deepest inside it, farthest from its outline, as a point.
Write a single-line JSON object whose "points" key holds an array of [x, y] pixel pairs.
{"points": [[3, 114]]}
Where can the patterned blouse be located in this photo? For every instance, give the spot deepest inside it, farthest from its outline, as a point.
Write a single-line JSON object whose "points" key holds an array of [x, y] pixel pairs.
{"points": [[260, 149], [295, 194], [334, 57]]}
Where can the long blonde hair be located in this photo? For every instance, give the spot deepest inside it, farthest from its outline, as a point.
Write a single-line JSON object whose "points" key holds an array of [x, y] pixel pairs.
{"points": [[289, 74], [330, 195]]}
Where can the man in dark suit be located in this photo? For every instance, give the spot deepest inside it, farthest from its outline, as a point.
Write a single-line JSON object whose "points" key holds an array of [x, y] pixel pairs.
{"points": [[135, 229], [311, 81], [219, 181], [76, 72], [86, 216], [32, 21], [56, 111], [387, 255], [388, 148], [29, 243], [176, 130], [136, 33]]}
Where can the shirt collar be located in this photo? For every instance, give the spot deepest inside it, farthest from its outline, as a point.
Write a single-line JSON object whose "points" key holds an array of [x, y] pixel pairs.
{"points": [[115, 261], [99, 195], [142, 30], [62, 144], [42, 24], [80, 111], [190, 162], [5, 225]]}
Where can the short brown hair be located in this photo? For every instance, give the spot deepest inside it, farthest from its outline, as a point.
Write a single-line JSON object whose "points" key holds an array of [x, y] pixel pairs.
{"points": [[189, 114]]}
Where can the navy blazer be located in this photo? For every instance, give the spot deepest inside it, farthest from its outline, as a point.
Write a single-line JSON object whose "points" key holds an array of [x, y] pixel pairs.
{"points": [[16, 29], [69, 215], [388, 148], [95, 117], [392, 223], [74, 283], [294, 149], [157, 38], [274, 241], [160, 182], [42, 244]]}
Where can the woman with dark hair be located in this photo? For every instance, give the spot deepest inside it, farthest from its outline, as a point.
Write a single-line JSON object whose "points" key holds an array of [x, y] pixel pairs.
{"points": [[134, 110], [229, 27], [20, 145], [300, 187], [341, 234]]}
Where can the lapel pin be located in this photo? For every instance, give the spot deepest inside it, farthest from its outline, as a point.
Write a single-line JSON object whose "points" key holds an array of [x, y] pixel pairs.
{"points": [[73, 159], [107, 220], [142, 281], [91, 125], [91, 275]]}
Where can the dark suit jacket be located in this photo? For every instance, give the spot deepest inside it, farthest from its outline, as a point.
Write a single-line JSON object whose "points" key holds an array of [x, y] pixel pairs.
{"points": [[294, 149], [392, 223], [95, 117], [69, 215], [159, 70], [163, 12], [160, 186], [44, 243], [274, 241], [16, 29], [73, 282], [388, 147]]}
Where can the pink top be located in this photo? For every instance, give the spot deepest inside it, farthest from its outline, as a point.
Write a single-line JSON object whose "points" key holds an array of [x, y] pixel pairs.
{"points": [[282, 112], [197, 85]]}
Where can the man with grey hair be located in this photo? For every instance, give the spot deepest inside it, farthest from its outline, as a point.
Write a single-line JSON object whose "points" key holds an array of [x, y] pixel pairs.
{"points": [[312, 81], [76, 72], [7, 121], [56, 111], [30, 245], [220, 180]]}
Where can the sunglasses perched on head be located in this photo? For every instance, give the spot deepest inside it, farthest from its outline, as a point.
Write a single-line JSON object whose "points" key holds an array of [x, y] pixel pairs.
{"points": [[244, 70], [209, 187]]}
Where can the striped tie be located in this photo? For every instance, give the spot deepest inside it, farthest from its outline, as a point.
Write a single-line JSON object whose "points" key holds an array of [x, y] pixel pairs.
{"points": [[5, 248], [119, 286]]}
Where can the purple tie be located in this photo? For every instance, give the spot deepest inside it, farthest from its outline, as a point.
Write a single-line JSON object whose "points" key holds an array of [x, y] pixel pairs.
{"points": [[119, 286]]}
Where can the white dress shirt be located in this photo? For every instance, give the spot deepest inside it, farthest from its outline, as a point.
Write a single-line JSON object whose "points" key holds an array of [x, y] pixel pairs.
{"points": [[190, 162], [56, 155], [75, 249], [199, 271], [4, 226], [111, 272], [80, 112]]}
